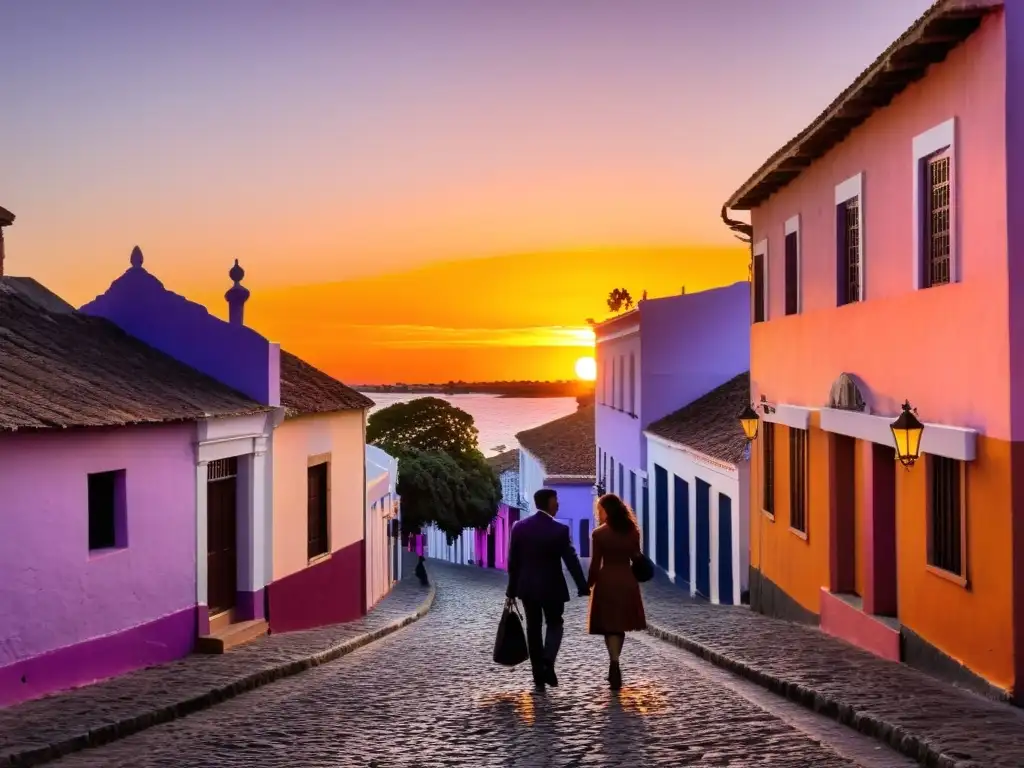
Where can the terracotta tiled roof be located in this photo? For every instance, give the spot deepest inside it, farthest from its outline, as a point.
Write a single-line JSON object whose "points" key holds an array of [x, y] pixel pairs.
{"points": [[944, 26], [66, 369], [503, 462], [710, 424], [564, 446], [305, 389]]}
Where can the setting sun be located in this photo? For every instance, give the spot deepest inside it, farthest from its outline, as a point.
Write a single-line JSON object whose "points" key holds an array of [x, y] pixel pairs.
{"points": [[586, 369]]}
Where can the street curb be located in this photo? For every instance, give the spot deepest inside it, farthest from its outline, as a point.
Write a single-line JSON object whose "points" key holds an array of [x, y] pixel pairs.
{"points": [[825, 704], [129, 726]]}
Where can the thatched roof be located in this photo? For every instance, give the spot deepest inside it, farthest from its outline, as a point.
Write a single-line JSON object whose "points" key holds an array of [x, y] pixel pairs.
{"points": [[68, 369]]}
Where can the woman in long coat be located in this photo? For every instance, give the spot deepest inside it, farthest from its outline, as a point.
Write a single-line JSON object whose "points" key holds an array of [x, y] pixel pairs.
{"points": [[616, 606]]}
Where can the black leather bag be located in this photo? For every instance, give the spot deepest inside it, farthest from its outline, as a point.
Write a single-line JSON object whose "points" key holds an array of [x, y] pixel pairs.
{"points": [[510, 645], [643, 568]]}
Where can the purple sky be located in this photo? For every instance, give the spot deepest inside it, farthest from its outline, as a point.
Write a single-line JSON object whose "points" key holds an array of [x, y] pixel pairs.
{"points": [[319, 139]]}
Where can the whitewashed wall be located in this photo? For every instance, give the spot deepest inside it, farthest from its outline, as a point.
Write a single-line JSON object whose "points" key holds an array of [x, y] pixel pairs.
{"points": [[732, 480], [531, 479], [461, 552], [510, 487], [381, 504]]}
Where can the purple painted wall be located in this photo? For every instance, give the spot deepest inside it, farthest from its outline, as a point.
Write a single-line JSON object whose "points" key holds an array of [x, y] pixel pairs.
{"points": [[685, 346], [58, 598], [233, 354], [575, 503], [691, 344], [1014, 26]]}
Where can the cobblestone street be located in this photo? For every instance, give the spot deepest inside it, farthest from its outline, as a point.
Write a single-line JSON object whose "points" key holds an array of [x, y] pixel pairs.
{"points": [[430, 695]]}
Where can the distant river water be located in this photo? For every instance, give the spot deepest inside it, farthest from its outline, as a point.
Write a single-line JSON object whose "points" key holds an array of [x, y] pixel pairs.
{"points": [[497, 418]]}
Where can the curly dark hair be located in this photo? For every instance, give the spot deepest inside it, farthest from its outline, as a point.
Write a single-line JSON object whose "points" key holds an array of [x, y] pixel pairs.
{"points": [[618, 516]]}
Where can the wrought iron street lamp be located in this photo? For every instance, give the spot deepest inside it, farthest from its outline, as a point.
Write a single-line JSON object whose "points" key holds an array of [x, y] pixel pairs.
{"points": [[750, 421], [906, 433]]}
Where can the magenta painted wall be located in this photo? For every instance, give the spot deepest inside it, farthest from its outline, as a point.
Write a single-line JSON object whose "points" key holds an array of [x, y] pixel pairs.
{"points": [[53, 594], [327, 592], [501, 531], [232, 354], [957, 337]]}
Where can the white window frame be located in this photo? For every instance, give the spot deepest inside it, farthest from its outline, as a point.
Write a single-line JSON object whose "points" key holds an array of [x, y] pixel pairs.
{"points": [[761, 249], [792, 227], [846, 191], [940, 138]]}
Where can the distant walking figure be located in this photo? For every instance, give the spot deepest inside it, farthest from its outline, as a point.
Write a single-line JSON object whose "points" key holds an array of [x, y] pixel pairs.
{"points": [[616, 606], [538, 546], [421, 572]]}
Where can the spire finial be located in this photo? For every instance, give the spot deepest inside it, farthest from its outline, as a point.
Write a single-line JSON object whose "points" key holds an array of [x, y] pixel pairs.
{"points": [[237, 295], [237, 274], [136, 258]]}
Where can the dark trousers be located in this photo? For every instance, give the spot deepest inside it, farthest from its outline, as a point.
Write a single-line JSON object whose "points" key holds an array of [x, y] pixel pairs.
{"points": [[543, 650]]}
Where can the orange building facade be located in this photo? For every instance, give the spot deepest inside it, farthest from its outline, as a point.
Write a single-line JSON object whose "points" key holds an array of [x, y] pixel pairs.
{"points": [[884, 271]]}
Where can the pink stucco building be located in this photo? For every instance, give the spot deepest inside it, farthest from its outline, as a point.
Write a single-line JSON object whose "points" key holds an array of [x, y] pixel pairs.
{"points": [[887, 267], [98, 486]]}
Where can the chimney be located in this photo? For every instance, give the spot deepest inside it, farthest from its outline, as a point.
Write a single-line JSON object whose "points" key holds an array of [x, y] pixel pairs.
{"points": [[682, 291], [236, 296], [6, 220]]}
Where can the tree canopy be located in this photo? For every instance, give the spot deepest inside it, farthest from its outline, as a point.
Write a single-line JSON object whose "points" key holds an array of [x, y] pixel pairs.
{"points": [[443, 478], [426, 424], [619, 299]]}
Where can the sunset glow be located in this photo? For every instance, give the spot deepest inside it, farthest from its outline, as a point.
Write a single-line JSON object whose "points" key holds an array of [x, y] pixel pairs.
{"points": [[586, 369]]}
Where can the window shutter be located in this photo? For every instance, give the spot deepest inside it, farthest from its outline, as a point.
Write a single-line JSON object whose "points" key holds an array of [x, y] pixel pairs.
{"points": [[792, 275], [759, 289]]}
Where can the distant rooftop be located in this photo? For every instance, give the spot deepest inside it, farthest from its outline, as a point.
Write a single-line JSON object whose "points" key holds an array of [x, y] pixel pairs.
{"points": [[710, 424], [565, 446]]}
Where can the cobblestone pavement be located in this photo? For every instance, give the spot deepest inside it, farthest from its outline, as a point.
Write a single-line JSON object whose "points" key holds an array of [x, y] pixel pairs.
{"points": [[431, 696], [930, 720], [34, 731]]}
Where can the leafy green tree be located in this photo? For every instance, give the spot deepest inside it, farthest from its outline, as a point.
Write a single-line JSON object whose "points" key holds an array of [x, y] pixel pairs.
{"points": [[479, 505], [443, 478], [425, 423], [431, 485], [619, 299]]}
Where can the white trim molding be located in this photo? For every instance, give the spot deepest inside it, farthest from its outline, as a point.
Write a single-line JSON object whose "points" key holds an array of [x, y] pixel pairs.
{"points": [[937, 139], [794, 416], [726, 468], [957, 443], [761, 249], [615, 335], [847, 190]]}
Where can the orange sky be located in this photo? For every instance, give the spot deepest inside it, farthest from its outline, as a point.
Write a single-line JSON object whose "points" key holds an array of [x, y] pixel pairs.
{"points": [[511, 317]]}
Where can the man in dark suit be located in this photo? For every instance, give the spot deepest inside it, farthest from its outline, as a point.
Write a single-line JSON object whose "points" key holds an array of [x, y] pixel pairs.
{"points": [[538, 547]]}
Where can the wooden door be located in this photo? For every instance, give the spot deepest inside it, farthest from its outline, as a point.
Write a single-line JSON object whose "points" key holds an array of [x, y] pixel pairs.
{"points": [[661, 516], [221, 534], [492, 545]]}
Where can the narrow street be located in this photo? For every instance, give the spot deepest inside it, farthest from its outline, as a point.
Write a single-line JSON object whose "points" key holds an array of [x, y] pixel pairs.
{"points": [[430, 695]]}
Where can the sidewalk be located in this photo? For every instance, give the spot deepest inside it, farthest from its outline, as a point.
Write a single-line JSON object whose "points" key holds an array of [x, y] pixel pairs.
{"points": [[924, 718], [44, 729]]}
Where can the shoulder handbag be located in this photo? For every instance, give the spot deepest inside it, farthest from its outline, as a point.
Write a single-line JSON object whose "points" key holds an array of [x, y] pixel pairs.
{"points": [[642, 567]]}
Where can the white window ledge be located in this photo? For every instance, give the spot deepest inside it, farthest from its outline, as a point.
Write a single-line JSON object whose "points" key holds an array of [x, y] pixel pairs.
{"points": [[795, 416], [957, 443]]}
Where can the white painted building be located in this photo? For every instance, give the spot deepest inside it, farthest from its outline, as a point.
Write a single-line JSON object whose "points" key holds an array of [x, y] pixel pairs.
{"points": [[461, 551], [383, 560], [699, 481]]}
